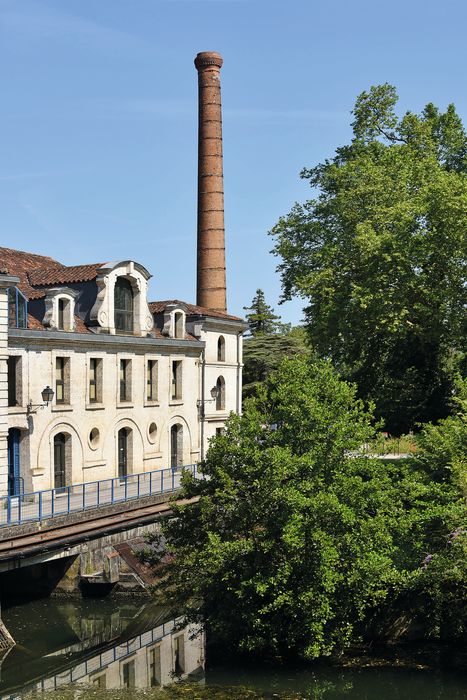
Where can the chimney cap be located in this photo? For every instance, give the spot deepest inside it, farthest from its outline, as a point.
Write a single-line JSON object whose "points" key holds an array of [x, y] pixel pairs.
{"points": [[206, 59]]}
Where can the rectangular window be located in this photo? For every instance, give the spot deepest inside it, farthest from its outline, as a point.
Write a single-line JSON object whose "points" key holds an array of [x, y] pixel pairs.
{"points": [[95, 380], [60, 380], [179, 655], [14, 381], [128, 675], [151, 380], [176, 379], [155, 675], [100, 681], [125, 380], [61, 314]]}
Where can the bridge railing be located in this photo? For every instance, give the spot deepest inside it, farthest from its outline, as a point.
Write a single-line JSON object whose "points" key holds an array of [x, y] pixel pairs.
{"points": [[39, 505]]}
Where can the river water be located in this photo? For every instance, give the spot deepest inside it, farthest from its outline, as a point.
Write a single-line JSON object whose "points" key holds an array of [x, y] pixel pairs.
{"points": [[130, 648]]}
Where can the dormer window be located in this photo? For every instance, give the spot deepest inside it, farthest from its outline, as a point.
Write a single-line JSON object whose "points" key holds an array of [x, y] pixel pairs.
{"points": [[60, 309], [123, 304]]}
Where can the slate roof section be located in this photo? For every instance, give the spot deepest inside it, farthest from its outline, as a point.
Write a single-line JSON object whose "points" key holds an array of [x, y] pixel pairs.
{"points": [[157, 307]]}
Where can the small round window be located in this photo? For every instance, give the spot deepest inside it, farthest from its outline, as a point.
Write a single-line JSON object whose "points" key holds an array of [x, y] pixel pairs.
{"points": [[94, 436], [152, 432]]}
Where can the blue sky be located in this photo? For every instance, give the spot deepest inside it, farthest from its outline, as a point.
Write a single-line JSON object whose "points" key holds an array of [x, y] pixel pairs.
{"points": [[99, 119]]}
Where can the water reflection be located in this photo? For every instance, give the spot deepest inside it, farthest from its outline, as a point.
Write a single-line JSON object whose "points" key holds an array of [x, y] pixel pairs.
{"points": [[104, 644]]}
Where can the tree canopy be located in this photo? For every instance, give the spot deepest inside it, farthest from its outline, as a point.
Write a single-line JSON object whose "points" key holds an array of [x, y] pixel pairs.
{"points": [[297, 541], [380, 257]]}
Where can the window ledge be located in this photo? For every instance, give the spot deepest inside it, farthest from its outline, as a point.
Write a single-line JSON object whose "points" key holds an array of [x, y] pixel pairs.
{"points": [[152, 403], [61, 407], [176, 402], [95, 406], [125, 404]]}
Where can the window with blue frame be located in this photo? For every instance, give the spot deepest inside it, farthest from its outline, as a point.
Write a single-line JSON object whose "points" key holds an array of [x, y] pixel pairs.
{"points": [[17, 309]]}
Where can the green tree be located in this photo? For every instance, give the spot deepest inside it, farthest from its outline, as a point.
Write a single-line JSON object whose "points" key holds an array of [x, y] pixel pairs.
{"points": [[262, 319], [380, 256], [290, 543], [263, 353], [434, 593]]}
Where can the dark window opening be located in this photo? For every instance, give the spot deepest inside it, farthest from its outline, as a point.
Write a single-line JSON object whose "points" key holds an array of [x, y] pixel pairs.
{"points": [[14, 381], [176, 379], [220, 397], [60, 461], [123, 303], [221, 349]]}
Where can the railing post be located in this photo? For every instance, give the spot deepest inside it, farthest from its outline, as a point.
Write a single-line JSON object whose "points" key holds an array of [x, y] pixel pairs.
{"points": [[84, 496], [150, 483], [8, 509], [173, 478], [69, 498], [111, 490], [52, 504], [40, 505], [126, 488], [98, 492], [138, 484], [162, 481]]}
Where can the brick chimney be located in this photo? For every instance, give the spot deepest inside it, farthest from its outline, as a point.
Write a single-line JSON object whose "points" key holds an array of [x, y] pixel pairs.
{"points": [[211, 282]]}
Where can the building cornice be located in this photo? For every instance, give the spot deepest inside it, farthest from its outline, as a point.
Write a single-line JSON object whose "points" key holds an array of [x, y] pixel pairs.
{"points": [[51, 339]]}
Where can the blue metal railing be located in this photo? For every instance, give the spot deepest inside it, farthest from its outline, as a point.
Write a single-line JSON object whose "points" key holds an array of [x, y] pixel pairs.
{"points": [[39, 505]]}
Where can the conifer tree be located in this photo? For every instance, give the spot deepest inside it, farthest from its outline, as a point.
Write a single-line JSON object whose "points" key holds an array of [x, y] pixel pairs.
{"points": [[262, 319]]}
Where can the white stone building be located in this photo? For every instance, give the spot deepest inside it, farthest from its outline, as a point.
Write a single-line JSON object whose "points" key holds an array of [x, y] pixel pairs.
{"points": [[133, 381], [137, 386]]}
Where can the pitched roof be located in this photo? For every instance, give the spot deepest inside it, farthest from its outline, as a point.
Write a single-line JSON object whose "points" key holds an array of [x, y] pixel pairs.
{"points": [[157, 307], [46, 276], [22, 264]]}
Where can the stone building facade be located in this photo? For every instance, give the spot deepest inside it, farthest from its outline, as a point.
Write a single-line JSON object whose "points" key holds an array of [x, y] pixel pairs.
{"points": [[137, 385]]}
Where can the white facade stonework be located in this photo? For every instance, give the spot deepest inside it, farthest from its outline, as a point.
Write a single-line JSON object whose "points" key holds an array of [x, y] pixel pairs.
{"points": [[167, 366]]}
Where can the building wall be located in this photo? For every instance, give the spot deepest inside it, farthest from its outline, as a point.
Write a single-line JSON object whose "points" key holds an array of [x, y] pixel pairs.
{"points": [[92, 428]]}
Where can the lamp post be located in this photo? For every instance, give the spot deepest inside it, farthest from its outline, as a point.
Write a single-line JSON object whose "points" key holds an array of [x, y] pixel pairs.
{"points": [[47, 396]]}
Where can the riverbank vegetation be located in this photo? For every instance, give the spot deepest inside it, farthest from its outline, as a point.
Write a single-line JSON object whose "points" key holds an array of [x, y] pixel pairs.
{"points": [[298, 545]]}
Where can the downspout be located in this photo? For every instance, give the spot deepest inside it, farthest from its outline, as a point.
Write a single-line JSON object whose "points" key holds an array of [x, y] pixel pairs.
{"points": [[239, 375], [201, 403]]}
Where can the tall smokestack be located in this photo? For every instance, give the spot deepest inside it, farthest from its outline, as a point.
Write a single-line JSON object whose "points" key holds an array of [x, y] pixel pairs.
{"points": [[211, 283]]}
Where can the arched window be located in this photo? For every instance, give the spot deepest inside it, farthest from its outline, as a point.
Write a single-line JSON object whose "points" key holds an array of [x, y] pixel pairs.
{"points": [[176, 446], [221, 349], [220, 397], [124, 446], [62, 460], [123, 303]]}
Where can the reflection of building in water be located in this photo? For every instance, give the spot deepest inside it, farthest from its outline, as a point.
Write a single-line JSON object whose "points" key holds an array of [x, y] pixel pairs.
{"points": [[140, 657]]}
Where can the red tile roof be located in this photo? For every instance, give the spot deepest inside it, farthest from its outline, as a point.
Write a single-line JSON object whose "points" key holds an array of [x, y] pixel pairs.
{"points": [[46, 276], [22, 264], [157, 307]]}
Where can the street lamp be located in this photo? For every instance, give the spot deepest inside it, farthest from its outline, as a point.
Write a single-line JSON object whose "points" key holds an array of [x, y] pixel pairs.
{"points": [[201, 402], [47, 396]]}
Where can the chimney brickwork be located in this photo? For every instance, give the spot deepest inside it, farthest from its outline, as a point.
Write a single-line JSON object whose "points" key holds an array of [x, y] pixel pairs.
{"points": [[211, 278]]}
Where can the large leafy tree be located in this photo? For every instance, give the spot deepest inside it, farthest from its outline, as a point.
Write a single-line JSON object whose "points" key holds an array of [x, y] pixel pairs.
{"points": [[380, 256], [290, 542]]}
